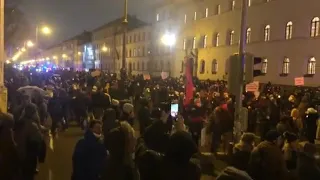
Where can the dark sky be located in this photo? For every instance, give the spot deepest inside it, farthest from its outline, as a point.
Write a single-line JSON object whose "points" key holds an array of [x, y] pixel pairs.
{"points": [[70, 17]]}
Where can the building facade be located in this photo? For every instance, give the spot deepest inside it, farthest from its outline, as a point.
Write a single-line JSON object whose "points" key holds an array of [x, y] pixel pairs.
{"points": [[67, 53], [286, 33], [108, 40]]}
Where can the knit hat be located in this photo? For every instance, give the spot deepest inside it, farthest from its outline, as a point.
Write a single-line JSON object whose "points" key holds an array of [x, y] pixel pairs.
{"points": [[127, 108]]}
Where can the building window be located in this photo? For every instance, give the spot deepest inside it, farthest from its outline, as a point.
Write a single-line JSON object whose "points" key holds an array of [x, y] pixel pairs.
{"points": [[216, 39], [205, 41], [249, 3], [311, 66], [218, 9], [194, 43], [285, 66], [231, 37], [142, 51], [195, 15], [185, 18], [233, 5], [289, 30], [143, 36], [184, 44], [134, 52], [130, 53], [202, 66], [138, 66], [139, 52], [248, 36], [214, 67], [264, 66], [267, 33], [315, 27], [158, 17], [182, 67], [207, 12], [142, 66]]}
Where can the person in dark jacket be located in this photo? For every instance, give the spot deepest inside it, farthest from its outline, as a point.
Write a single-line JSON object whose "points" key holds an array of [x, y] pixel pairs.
{"points": [[89, 154], [121, 144], [242, 151], [157, 134], [144, 115], [175, 163], [55, 108]]}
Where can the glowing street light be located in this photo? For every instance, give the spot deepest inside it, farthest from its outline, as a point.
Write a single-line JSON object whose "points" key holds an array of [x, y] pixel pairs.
{"points": [[104, 49], [79, 53], [23, 49], [30, 44], [64, 55], [46, 30], [169, 39], [54, 57], [47, 58]]}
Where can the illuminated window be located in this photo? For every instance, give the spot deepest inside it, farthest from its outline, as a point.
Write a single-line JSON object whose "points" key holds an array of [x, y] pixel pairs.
{"points": [[248, 35], [207, 12], [233, 5], [285, 66], [311, 66], [195, 15], [158, 17], [218, 9], [231, 37], [315, 27], [205, 41], [216, 39], [185, 18], [289, 30], [214, 66], [194, 43], [202, 66], [264, 66], [249, 3], [184, 44], [267, 33]]}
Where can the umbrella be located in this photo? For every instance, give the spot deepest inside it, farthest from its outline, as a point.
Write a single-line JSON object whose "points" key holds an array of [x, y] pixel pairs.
{"points": [[32, 90]]}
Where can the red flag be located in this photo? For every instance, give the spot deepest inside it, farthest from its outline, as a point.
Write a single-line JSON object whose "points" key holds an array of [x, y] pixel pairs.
{"points": [[188, 83]]}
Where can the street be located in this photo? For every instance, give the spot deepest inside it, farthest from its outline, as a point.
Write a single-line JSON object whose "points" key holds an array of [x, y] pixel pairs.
{"points": [[58, 165]]}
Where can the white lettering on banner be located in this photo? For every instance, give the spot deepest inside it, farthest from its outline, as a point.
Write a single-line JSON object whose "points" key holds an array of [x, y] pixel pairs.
{"points": [[252, 87], [299, 81]]}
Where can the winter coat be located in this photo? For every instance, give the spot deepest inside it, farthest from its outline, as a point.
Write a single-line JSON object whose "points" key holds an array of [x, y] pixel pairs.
{"points": [[88, 158]]}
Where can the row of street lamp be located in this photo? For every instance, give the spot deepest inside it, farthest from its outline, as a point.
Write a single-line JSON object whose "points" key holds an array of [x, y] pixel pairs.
{"points": [[29, 44]]}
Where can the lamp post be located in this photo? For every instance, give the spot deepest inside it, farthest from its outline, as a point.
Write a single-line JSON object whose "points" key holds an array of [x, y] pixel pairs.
{"points": [[45, 30], [123, 72]]}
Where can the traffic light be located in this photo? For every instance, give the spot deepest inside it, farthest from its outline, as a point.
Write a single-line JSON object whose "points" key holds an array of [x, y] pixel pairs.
{"points": [[250, 71]]}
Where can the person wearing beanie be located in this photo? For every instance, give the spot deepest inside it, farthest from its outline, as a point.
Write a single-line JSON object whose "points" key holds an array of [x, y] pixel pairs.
{"points": [[290, 150], [128, 113]]}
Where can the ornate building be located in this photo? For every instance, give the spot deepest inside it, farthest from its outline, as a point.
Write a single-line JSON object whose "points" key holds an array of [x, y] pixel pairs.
{"points": [[286, 33]]}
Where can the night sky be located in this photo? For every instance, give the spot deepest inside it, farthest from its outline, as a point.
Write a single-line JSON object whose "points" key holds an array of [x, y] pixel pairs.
{"points": [[70, 17]]}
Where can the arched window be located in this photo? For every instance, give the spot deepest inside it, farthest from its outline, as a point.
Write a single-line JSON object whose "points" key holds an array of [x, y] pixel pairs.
{"points": [[134, 66], [264, 66], [312, 66], [289, 30], [315, 27], [202, 66], [205, 41], [231, 37], [214, 66], [142, 66], [216, 39], [285, 66], [248, 35], [267, 30], [194, 41]]}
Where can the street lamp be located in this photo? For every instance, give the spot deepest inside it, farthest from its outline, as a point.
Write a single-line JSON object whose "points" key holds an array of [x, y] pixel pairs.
{"points": [[23, 49], [169, 39], [104, 49], [79, 53], [64, 56], [29, 44], [46, 30], [54, 57]]}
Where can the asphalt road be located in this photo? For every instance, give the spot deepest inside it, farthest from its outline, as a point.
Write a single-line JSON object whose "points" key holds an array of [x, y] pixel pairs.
{"points": [[58, 165]]}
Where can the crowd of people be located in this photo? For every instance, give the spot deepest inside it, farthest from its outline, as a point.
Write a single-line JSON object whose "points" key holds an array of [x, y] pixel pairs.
{"points": [[130, 134]]}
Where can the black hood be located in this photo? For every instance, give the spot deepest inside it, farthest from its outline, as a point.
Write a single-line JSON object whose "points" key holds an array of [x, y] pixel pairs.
{"points": [[181, 147]]}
